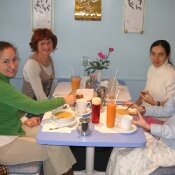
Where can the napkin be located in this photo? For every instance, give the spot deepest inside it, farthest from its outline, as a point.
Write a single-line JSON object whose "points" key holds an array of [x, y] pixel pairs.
{"points": [[48, 123], [124, 94], [62, 89]]}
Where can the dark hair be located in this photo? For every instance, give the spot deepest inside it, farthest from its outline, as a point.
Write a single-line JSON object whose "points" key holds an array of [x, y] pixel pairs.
{"points": [[41, 34], [165, 45], [5, 45]]}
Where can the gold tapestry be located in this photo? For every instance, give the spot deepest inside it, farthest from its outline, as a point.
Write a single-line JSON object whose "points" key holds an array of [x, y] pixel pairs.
{"points": [[88, 10]]}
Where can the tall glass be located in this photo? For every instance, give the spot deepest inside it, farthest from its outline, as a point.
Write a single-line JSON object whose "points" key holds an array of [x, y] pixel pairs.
{"points": [[111, 113], [111, 94], [75, 82], [96, 105]]}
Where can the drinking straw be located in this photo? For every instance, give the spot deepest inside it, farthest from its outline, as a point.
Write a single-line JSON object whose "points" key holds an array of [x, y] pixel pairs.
{"points": [[116, 72], [115, 76], [72, 71], [117, 94]]}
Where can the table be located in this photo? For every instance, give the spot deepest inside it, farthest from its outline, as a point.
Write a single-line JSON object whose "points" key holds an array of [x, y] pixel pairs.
{"points": [[96, 139]]}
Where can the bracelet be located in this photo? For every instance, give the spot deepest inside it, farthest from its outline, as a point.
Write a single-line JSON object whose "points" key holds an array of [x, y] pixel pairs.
{"points": [[158, 103]]}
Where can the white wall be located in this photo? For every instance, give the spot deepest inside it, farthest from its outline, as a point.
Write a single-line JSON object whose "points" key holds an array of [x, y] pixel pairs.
{"points": [[86, 38]]}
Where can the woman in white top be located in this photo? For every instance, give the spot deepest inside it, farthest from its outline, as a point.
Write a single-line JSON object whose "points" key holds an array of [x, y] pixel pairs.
{"points": [[160, 85]]}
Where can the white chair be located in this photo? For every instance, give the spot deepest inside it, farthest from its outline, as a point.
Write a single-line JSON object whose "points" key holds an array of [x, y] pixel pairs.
{"points": [[31, 168], [164, 171]]}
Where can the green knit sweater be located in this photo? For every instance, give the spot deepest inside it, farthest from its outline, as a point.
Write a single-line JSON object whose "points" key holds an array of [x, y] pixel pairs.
{"points": [[13, 101]]}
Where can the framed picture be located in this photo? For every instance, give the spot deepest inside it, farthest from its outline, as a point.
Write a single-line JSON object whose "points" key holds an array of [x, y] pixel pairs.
{"points": [[88, 10], [42, 14], [133, 16]]}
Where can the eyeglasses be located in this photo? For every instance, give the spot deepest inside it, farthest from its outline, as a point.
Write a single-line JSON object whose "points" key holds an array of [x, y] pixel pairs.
{"points": [[7, 61]]}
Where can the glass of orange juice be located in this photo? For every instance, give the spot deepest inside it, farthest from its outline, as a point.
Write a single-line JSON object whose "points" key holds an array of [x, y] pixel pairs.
{"points": [[111, 113], [75, 82]]}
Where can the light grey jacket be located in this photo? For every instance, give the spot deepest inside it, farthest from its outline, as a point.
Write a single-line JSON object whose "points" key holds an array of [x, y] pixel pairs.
{"points": [[166, 132]]}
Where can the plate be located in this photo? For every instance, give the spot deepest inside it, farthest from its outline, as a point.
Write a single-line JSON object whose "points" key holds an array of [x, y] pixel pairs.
{"points": [[63, 116], [131, 130], [89, 110], [50, 123]]}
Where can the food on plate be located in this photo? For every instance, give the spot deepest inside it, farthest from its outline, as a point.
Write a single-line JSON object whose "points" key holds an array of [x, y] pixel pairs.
{"points": [[124, 110], [132, 111], [63, 114], [121, 111], [78, 96]]}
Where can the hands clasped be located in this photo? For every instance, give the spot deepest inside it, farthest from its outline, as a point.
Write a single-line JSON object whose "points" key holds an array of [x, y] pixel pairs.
{"points": [[32, 122]]}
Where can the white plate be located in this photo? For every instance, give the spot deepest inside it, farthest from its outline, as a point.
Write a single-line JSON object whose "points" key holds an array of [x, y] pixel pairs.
{"points": [[89, 110], [50, 123], [131, 130], [68, 124], [63, 120]]}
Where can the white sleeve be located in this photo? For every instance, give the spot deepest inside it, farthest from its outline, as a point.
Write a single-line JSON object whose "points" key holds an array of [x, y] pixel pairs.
{"points": [[31, 73]]}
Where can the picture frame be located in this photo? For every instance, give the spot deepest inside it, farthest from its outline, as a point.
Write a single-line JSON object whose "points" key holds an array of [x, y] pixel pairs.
{"points": [[88, 10], [42, 14], [134, 16]]}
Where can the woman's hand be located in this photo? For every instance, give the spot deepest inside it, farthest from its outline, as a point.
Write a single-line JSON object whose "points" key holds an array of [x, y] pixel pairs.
{"points": [[34, 121], [145, 95], [69, 99], [140, 121], [131, 105]]}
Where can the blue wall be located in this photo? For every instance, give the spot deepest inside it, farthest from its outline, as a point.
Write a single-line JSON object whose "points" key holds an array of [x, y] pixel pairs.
{"points": [[86, 38]]}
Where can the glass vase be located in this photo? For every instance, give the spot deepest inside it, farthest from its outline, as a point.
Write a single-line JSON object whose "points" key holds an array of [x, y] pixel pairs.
{"points": [[99, 75]]}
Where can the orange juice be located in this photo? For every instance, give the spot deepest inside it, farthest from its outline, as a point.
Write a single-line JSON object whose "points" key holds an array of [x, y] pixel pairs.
{"points": [[111, 112], [75, 82]]}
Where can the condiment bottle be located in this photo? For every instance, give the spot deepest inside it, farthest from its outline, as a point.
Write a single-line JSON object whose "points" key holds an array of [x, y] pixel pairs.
{"points": [[111, 113]]}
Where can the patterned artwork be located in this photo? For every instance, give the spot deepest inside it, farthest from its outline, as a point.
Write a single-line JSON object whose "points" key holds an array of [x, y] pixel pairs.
{"points": [[134, 15], [88, 10], [42, 14]]}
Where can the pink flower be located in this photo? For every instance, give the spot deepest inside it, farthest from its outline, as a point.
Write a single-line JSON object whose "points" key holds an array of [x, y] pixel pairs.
{"points": [[111, 49], [102, 56], [100, 63]]}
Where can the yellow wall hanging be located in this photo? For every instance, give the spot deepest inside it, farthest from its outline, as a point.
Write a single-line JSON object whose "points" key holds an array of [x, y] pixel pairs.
{"points": [[88, 10]]}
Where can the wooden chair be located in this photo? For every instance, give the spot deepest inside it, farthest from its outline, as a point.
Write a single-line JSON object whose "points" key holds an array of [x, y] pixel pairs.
{"points": [[32, 168]]}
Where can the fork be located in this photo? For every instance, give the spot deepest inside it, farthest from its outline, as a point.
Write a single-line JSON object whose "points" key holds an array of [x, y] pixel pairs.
{"points": [[71, 126]]}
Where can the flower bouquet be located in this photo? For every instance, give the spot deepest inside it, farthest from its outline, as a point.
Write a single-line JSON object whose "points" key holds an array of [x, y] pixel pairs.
{"points": [[101, 62]]}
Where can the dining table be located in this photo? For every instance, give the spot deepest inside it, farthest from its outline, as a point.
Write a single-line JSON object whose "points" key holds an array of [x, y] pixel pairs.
{"points": [[99, 137]]}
